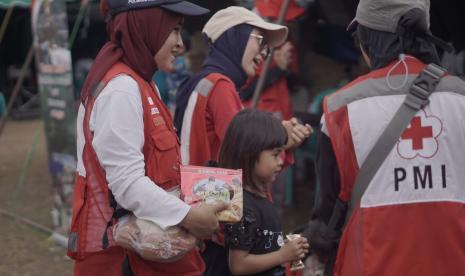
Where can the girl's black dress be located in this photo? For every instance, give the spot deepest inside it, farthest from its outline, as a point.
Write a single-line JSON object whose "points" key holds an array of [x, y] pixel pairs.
{"points": [[259, 231]]}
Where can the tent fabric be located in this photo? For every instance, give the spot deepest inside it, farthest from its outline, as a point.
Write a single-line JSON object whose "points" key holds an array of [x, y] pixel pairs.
{"points": [[18, 3], [4, 4]]}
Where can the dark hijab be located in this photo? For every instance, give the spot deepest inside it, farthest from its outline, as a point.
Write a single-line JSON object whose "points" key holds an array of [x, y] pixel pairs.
{"points": [[225, 57], [135, 37]]}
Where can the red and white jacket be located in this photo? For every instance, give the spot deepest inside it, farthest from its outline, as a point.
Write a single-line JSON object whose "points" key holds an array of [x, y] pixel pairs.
{"points": [[91, 206], [210, 109], [411, 219]]}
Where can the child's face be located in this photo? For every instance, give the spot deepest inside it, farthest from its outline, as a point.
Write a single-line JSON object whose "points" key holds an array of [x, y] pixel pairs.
{"points": [[269, 165]]}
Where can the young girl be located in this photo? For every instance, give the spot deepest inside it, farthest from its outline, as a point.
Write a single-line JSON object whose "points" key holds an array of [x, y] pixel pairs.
{"points": [[254, 142]]}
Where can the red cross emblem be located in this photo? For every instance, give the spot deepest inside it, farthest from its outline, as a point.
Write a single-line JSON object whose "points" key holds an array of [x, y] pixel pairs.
{"points": [[417, 133], [421, 137]]}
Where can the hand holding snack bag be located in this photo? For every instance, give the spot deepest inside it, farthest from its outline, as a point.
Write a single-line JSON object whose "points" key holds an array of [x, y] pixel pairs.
{"points": [[210, 185]]}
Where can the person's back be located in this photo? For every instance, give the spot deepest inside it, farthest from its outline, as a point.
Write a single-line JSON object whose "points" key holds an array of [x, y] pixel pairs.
{"points": [[410, 216], [415, 201]]}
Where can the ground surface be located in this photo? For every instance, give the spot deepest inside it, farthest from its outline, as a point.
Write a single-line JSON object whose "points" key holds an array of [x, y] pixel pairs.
{"points": [[26, 251]]}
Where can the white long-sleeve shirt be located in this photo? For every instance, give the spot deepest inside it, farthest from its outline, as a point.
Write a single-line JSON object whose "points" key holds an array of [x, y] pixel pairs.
{"points": [[117, 123]]}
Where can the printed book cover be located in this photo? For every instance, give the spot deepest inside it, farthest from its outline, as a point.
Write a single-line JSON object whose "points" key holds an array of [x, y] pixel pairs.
{"points": [[209, 185]]}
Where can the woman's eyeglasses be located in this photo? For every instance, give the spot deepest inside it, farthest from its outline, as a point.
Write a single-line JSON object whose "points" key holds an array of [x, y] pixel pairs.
{"points": [[264, 48]]}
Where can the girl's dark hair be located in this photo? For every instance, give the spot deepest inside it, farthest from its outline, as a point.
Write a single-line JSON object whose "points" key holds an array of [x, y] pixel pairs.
{"points": [[250, 132], [410, 38]]}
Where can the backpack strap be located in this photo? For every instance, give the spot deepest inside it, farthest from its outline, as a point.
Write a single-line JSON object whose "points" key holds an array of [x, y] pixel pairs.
{"points": [[416, 99]]}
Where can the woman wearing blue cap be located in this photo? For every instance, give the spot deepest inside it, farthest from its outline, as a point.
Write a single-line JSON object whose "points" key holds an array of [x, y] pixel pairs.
{"points": [[128, 152]]}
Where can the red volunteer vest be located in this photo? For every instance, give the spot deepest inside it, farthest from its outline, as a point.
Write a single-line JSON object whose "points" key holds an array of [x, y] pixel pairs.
{"points": [[195, 148], [420, 230], [275, 99], [91, 206]]}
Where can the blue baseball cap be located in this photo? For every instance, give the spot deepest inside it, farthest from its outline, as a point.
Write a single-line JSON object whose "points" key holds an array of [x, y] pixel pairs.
{"points": [[176, 6]]}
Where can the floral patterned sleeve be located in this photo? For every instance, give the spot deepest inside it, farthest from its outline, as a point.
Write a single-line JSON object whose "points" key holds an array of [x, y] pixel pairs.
{"points": [[243, 235]]}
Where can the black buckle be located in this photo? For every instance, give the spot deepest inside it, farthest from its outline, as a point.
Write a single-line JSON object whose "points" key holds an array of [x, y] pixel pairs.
{"points": [[423, 86]]}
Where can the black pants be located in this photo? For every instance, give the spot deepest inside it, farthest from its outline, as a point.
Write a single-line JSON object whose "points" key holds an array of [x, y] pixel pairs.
{"points": [[216, 260]]}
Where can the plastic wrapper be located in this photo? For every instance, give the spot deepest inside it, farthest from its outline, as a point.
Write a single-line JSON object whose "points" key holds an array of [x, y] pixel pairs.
{"points": [[295, 265], [210, 185], [313, 267], [152, 242]]}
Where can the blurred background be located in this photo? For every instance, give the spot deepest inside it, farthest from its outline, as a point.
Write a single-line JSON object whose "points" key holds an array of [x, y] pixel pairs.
{"points": [[46, 50]]}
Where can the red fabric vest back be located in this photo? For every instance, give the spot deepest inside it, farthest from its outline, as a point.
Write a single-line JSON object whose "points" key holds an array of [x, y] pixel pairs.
{"points": [[200, 152], [276, 98], [395, 239], [91, 206]]}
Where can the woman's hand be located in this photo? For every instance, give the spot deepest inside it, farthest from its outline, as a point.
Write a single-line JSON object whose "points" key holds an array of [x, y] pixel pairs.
{"points": [[296, 132], [282, 56], [294, 249], [201, 221]]}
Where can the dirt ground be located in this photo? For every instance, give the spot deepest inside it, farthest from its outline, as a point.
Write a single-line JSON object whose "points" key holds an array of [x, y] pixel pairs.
{"points": [[27, 251]]}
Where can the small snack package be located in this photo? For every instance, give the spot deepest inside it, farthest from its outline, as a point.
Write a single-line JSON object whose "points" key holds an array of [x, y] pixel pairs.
{"points": [[295, 265], [210, 185], [152, 242]]}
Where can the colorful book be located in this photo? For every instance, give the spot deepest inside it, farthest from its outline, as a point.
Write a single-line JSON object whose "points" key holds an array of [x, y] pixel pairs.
{"points": [[210, 185]]}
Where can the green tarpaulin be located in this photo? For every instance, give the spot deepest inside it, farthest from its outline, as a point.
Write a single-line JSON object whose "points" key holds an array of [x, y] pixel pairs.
{"points": [[18, 3], [24, 3]]}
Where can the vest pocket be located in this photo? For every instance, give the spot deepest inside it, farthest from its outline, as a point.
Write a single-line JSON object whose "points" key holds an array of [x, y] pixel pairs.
{"points": [[164, 165], [164, 140]]}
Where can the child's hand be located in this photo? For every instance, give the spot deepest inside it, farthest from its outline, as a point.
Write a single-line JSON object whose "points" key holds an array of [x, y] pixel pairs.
{"points": [[294, 250]]}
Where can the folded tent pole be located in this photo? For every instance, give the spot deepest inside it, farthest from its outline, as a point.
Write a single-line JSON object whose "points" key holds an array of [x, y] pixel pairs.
{"points": [[77, 23], [17, 87], [6, 21], [266, 65]]}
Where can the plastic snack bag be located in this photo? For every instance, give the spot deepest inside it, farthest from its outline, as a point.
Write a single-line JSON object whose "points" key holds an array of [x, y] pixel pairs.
{"points": [[210, 185], [150, 241]]}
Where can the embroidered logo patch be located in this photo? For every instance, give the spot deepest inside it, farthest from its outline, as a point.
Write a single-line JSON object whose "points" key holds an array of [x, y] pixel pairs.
{"points": [[154, 111], [158, 121]]}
